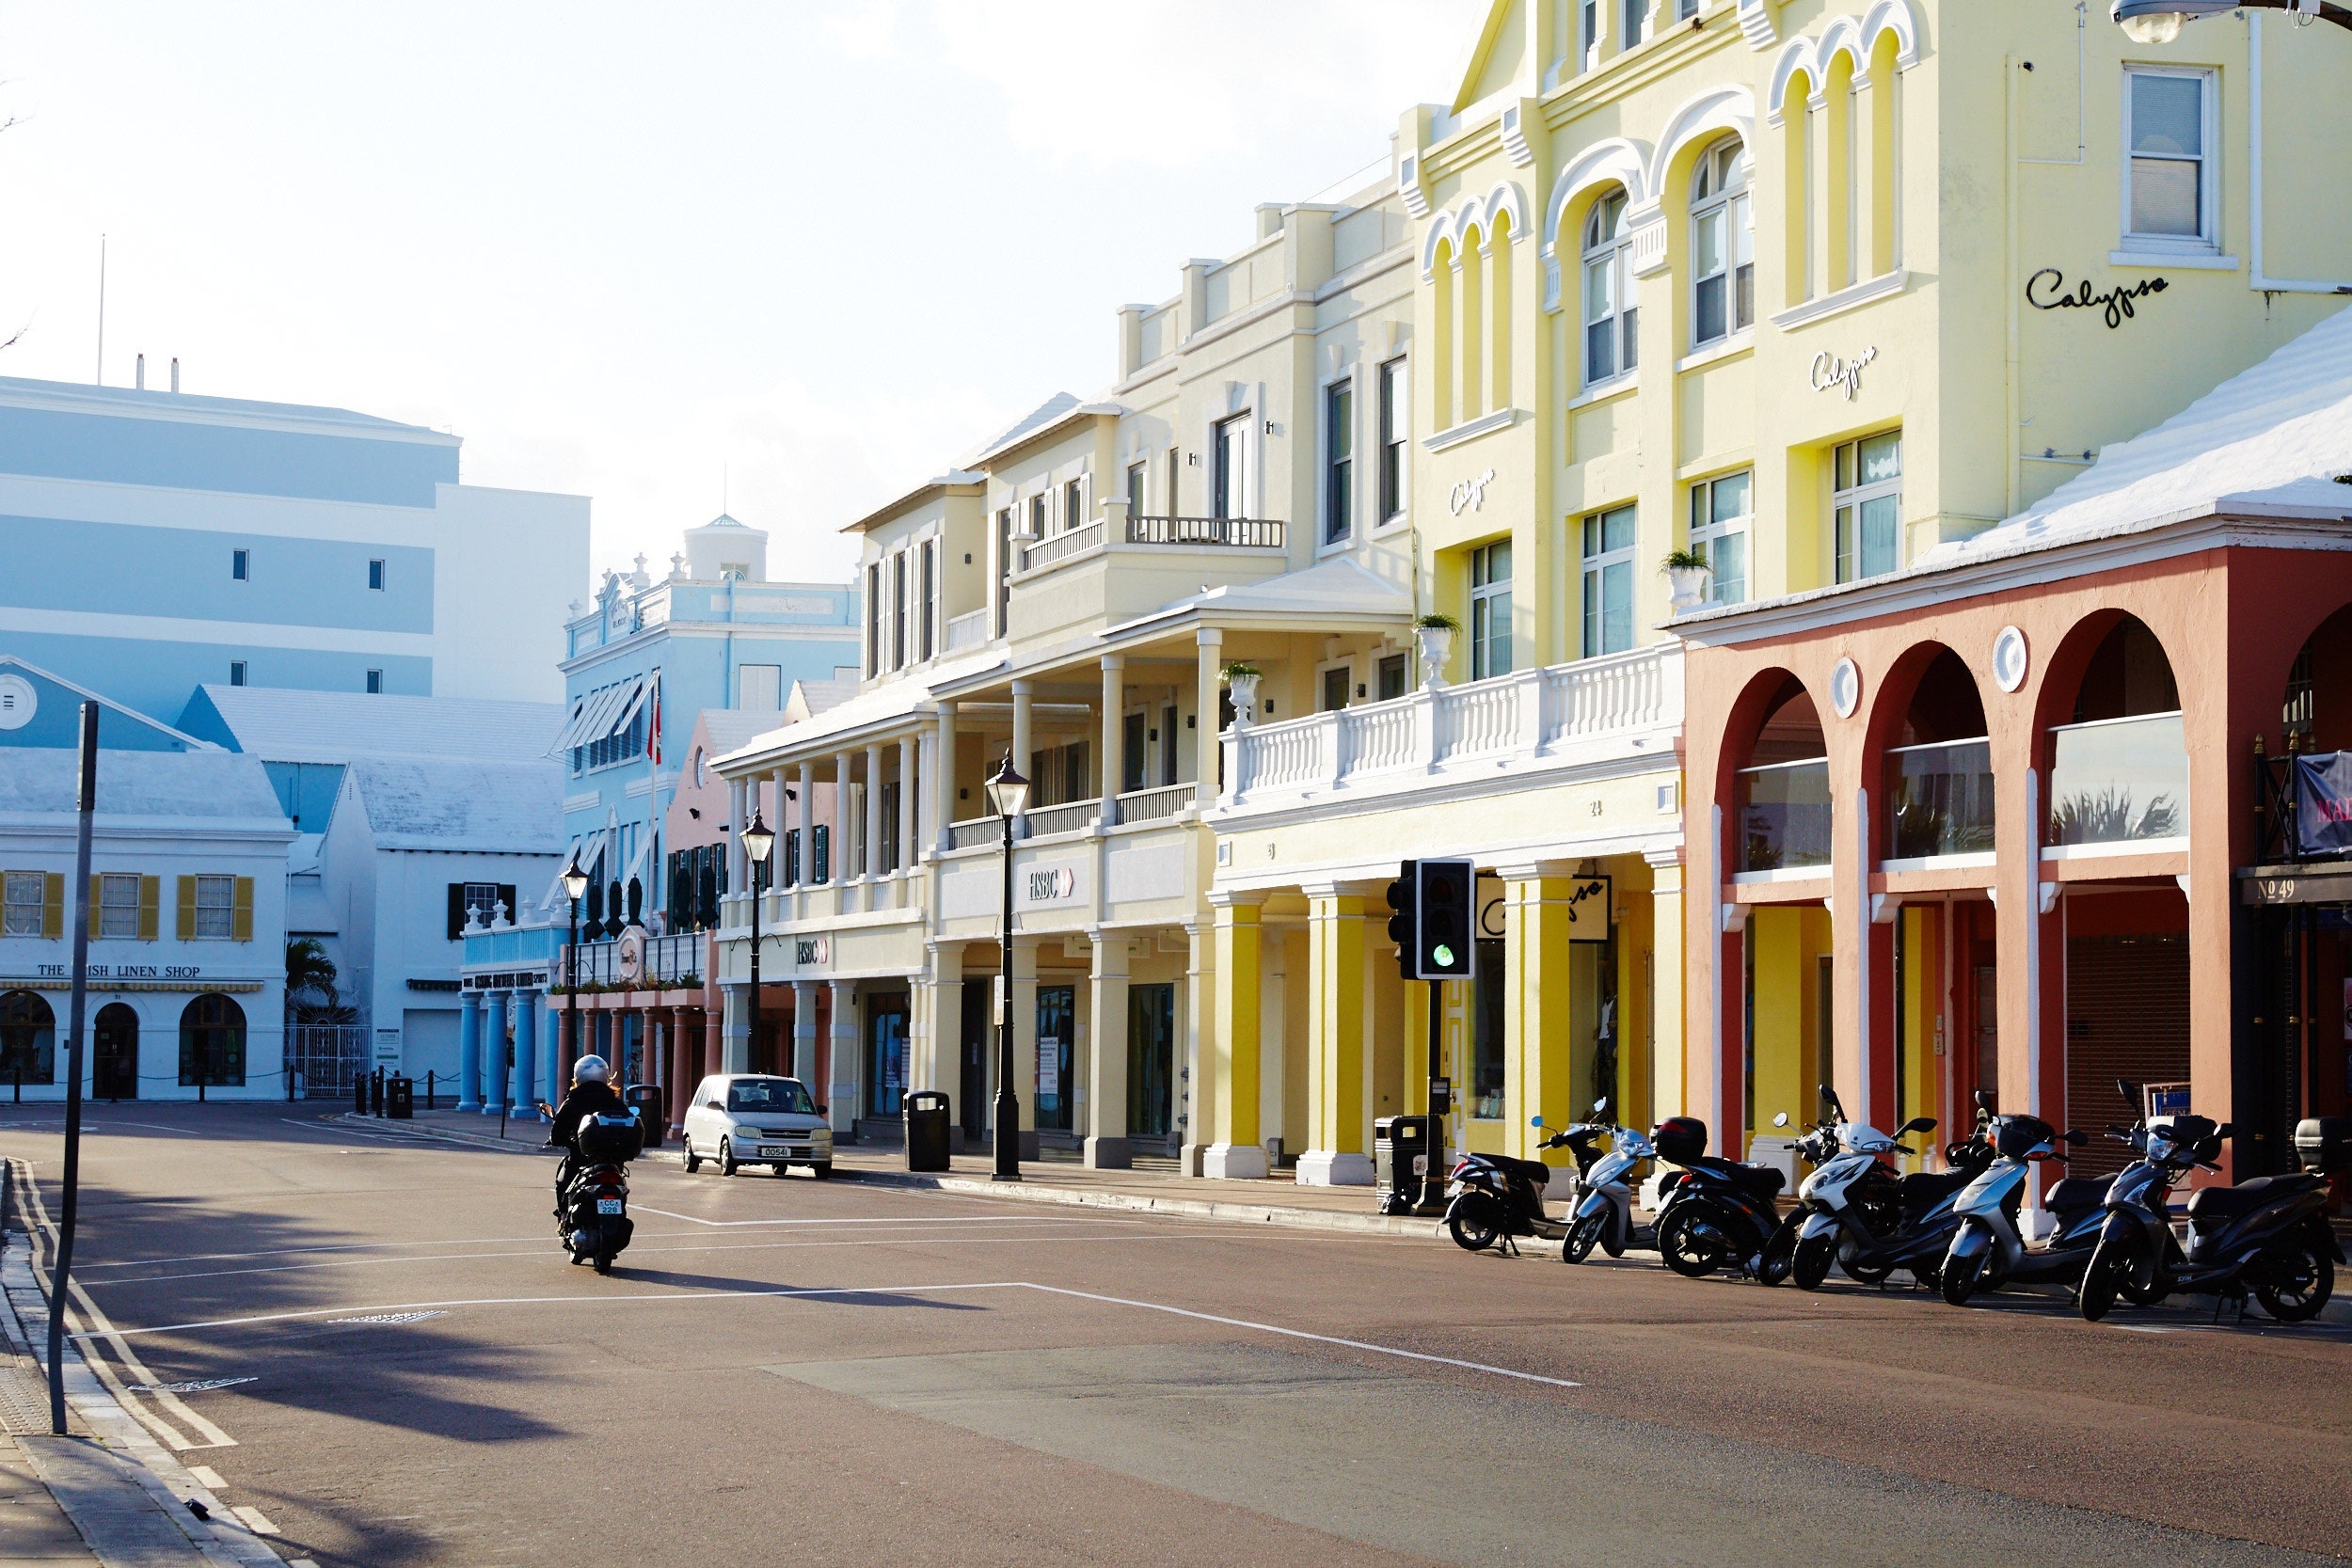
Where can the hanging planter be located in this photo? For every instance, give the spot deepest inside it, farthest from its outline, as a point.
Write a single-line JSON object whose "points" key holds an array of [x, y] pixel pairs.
{"points": [[1434, 636], [1689, 580]]}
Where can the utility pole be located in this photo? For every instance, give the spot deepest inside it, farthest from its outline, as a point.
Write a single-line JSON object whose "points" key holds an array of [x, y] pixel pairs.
{"points": [[85, 803]]}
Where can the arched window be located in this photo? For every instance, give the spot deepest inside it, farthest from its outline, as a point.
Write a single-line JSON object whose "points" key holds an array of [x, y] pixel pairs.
{"points": [[28, 1038], [1609, 314], [1723, 245], [212, 1041]]}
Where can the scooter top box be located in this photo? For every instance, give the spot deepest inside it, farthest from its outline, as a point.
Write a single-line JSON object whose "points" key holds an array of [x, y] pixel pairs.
{"points": [[1679, 1140], [2324, 1144], [610, 1138]]}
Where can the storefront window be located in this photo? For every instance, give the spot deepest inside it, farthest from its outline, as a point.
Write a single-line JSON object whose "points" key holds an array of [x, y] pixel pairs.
{"points": [[28, 1039], [1057, 1028], [1486, 1075], [886, 1056], [212, 1041]]}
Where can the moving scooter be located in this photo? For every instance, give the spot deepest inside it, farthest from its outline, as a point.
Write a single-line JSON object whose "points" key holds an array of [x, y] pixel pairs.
{"points": [[1602, 1208], [1494, 1197], [1717, 1213], [2268, 1235], [1988, 1251], [592, 1210]]}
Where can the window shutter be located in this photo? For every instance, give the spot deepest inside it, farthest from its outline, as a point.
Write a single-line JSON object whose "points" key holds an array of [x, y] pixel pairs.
{"points": [[240, 920], [456, 910], [506, 896], [150, 895], [53, 904], [187, 908], [94, 885]]}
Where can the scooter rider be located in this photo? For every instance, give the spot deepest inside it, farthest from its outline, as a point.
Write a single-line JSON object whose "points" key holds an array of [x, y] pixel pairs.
{"points": [[592, 1093]]}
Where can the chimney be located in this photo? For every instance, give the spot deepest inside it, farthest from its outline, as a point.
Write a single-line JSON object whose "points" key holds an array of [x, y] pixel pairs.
{"points": [[175, 373], [138, 375]]}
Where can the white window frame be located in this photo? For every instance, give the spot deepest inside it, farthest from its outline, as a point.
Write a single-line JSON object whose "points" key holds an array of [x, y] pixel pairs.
{"points": [[1322, 673], [1593, 567], [1139, 487], [931, 549], [1392, 416], [1707, 533], [2207, 241], [1588, 27], [1611, 257], [1338, 523], [118, 905], [1234, 491], [1485, 589], [899, 607], [1073, 502], [1732, 206], [1852, 498], [15, 920], [1634, 15]]}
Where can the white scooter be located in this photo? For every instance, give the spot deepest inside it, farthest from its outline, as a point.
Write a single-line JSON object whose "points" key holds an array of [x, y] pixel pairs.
{"points": [[1603, 1197]]}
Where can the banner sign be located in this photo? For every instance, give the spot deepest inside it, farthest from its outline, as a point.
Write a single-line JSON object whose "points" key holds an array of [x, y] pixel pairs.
{"points": [[2323, 802]]}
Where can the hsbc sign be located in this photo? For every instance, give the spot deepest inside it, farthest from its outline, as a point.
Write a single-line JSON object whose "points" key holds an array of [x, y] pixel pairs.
{"points": [[1051, 884]]}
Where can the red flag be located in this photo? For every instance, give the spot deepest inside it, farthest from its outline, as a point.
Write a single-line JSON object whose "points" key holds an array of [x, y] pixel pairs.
{"points": [[652, 730]]}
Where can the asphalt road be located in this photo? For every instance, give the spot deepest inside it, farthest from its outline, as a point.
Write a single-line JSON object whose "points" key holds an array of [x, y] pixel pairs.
{"points": [[785, 1371]]}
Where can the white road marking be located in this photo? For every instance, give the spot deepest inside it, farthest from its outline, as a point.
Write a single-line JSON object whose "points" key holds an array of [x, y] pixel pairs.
{"points": [[207, 1477], [391, 1317], [200, 1386], [255, 1520]]}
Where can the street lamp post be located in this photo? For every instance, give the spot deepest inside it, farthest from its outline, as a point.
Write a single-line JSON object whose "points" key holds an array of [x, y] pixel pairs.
{"points": [[2161, 20], [1008, 792], [574, 883], [758, 841]]}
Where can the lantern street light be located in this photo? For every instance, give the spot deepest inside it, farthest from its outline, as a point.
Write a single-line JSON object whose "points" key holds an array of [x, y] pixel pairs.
{"points": [[574, 883], [1008, 792], [759, 840], [2161, 20]]}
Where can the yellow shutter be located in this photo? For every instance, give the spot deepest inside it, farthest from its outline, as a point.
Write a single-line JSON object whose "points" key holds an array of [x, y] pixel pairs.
{"points": [[53, 904], [241, 923], [150, 895], [95, 883], [187, 908]]}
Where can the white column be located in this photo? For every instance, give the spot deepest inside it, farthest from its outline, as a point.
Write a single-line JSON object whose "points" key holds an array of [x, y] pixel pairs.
{"points": [[780, 873], [804, 1033], [842, 1094], [1020, 690], [804, 856], [1113, 753], [737, 817], [944, 775], [1211, 640], [873, 812], [1107, 1145], [909, 778], [842, 821]]}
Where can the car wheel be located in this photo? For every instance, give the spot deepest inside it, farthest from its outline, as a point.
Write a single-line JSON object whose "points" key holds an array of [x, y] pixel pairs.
{"points": [[727, 1166], [694, 1161], [822, 1171]]}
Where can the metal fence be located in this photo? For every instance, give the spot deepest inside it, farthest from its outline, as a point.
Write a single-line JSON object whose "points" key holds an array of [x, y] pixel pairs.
{"points": [[327, 1058]]}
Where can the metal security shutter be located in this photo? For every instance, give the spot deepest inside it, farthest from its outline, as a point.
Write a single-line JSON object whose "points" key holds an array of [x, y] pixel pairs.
{"points": [[2126, 1017]]}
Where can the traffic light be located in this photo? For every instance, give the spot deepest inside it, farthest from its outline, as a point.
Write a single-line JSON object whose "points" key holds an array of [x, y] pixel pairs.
{"points": [[1444, 919], [1403, 897]]}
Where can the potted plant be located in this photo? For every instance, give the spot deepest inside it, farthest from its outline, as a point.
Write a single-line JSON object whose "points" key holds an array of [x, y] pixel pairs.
{"points": [[1434, 635], [1243, 678], [1687, 575]]}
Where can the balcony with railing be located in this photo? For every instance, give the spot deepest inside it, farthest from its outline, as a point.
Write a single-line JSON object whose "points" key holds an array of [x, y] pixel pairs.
{"points": [[666, 963], [1246, 534], [1597, 708], [967, 631], [1784, 818], [1940, 800], [2117, 784], [1116, 567], [1060, 547]]}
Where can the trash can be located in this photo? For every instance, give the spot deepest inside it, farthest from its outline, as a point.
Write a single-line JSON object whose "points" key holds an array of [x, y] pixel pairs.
{"points": [[1400, 1157], [926, 1111], [646, 1100], [400, 1098]]}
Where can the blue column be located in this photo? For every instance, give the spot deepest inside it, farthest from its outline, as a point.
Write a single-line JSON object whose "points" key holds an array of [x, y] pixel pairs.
{"points": [[494, 1054], [526, 1040], [470, 1051]]}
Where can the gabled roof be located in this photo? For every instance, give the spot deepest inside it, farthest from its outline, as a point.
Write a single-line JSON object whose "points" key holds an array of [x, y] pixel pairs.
{"points": [[457, 806], [898, 503], [724, 729], [57, 724], [810, 698], [1049, 415], [280, 725], [210, 786], [891, 700]]}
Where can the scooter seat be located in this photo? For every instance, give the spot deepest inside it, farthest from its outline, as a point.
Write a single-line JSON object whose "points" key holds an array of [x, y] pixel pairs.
{"points": [[1758, 1180], [2228, 1203], [1524, 1170], [1924, 1190], [2077, 1193]]}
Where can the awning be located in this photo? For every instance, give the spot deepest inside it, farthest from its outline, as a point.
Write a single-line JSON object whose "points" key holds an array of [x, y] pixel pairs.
{"points": [[601, 713]]}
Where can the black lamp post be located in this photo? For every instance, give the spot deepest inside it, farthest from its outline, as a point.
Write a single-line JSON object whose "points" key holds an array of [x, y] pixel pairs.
{"points": [[2161, 20], [759, 840], [1008, 791], [574, 883]]}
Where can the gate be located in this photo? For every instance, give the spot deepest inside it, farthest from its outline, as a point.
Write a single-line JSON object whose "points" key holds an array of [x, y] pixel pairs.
{"points": [[330, 1059]]}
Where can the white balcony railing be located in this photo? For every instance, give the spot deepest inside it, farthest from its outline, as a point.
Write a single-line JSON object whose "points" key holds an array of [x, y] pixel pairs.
{"points": [[1061, 545], [1529, 714], [1153, 805], [967, 631], [1063, 819]]}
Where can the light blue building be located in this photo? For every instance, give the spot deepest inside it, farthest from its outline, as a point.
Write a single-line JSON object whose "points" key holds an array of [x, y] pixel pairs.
{"points": [[715, 634], [156, 541]]}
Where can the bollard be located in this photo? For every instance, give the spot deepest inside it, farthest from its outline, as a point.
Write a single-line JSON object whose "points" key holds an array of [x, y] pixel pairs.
{"points": [[428, 1089], [360, 1092], [375, 1092]]}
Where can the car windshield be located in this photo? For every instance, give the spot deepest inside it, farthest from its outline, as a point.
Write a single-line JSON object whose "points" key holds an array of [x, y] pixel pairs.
{"points": [[770, 1094]]}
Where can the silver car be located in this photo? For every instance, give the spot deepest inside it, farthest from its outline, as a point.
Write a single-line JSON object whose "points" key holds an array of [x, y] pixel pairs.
{"points": [[753, 1119]]}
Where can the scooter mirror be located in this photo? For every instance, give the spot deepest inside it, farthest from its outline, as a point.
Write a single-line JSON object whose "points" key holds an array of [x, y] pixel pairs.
{"points": [[1600, 1107], [2130, 1091], [1984, 1100], [1534, 1121], [1916, 1124], [2076, 1136], [1781, 1120]]}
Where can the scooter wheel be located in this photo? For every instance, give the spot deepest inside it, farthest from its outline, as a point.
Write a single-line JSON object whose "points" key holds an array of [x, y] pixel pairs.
{"points": [[1691, 1245], [1581, 1237], [1960, 1278], [1814, 1256], [1869, 1274], [1469, 1233], [604, 1262], [2302, 1278], [2109, 1265], [1778, 1258]]}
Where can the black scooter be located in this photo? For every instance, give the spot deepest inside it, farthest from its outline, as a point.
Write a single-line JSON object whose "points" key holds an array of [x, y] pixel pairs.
{"points": [[1494, 1198], [591, 1201], [1716, 1214], [2270, 1235]]}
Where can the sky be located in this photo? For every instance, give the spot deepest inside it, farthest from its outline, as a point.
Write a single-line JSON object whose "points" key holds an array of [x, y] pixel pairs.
{"points": [[787, 258]]}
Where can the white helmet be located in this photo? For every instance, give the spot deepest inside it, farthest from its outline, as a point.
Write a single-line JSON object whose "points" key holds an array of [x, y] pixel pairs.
{"points": [[591, 1070]]}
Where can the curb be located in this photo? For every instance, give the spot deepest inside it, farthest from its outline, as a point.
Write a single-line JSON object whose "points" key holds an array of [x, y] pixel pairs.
{"points": [[1173, 1208]]}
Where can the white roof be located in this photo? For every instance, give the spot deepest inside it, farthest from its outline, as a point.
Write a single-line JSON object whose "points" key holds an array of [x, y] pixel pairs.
{"points": [[513, 808], [279, 724], [1334, 586], [810, 698], [727, 728], [891, 700], [2268, 441], [211, 787]]}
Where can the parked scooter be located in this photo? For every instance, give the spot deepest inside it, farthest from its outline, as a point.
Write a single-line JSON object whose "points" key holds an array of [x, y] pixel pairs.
{"points": [[1716, 1213], [1988, 1251], [2268, 1235], [1494, 1198], [1602, 1205], [1870, 1221]]}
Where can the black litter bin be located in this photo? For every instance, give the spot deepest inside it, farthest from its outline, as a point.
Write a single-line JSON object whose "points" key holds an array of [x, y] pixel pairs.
{"points": [[400, 1098], [646, 1100], [1400, 1158], [926, 1111]]}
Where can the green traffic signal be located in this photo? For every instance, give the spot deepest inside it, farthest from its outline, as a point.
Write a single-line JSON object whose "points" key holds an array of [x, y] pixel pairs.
{"points": [[1444, 956]]}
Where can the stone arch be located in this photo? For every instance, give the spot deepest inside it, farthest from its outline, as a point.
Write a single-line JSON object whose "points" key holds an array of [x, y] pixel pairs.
{"points": [[1927, 757], [2114, 768], [1858, 40], [1776, 722], [211, 1041], [1697, 124], [1475, 215], [1592, 171]]}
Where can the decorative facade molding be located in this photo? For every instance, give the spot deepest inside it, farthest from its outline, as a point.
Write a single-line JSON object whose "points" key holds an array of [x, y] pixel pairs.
{"points": [[1515, 134], [1857, 40], [1408, 185], [1475, 217], [1755, 21], [1615, 162]]}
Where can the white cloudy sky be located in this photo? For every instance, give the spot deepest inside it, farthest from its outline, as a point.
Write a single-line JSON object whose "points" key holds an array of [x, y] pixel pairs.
{"points": [[625, 249]]}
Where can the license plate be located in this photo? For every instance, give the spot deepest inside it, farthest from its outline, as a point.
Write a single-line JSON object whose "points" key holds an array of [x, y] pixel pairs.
{"points": [[771, 1150], [608, 1206]]}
